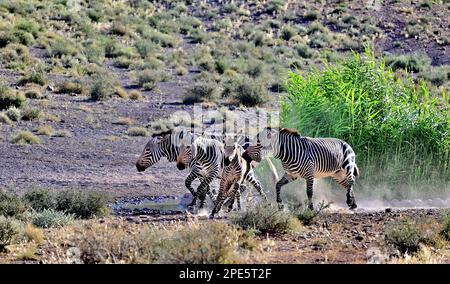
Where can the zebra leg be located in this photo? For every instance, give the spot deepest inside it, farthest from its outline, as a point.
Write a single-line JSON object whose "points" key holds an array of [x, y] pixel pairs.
{"points": [[351, 198], [223, 192], [256, 184], [203, 188], [309, 191], [188, 183], [283, 181]]}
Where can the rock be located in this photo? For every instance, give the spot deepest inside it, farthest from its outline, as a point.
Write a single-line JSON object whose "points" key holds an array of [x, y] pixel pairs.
{"points": [[359, 238], [388, 210]]}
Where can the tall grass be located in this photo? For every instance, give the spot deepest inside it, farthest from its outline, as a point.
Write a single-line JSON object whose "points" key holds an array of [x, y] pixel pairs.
{"points": [[399, 131]]}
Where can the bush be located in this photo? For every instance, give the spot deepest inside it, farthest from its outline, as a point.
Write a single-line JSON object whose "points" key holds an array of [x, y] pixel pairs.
{"points": [[14, 113], [35, 76], [49, 218], [104, 87], [10, 204], [25, 138], [306, 215], [312, 15], [250, 92], [445, 232], [74, 86], [137, 131], [46, 130], [135, 95], [201, 92], [34, 93], [5, 119], [149, 78], [31, 113], [40, 199], [416, 62], [8, 230], [9, 98], [361, 102], [266, 218], [405, 237], [288, 32], [83, 204]]}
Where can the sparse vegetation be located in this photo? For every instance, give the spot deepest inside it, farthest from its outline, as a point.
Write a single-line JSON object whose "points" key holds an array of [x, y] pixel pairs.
{"points": [[24, 137], [137, 131], [266, 218], [10, 204], [306, 215], [49, 218], [8, 230]]}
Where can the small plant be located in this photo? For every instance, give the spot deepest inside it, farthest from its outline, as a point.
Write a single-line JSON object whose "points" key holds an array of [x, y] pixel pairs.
{"points": [[14, 113], [135, 95], [8, 230], [31, 113], [40, 199], [24, 137], [250, 92], [46, 130], [404, 236], [148, 77], [137, 131], [34, 93], [33, 234], [288, 32], [266, 218], [49, 218], [71, 87], [10, 204], [416, 62], [5, 119], [201, 92], [9, 98], [104, 87], [35, 76], [306, 215], [124, 121]]}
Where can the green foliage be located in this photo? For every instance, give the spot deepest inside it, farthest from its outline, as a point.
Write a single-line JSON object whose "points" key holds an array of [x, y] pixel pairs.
{"points": [[405, 236], [266, 218], [39, 199], [10, 204], [416, 62], [9, 98], [201, 92], [8, 230], [386, 121], [14, 113], [30, 113], [250, 92], [49, 218], [445, 232], [36, 76], [83, 204], [104, 87]]}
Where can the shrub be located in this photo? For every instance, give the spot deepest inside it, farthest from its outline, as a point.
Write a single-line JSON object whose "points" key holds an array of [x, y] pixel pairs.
{"points": [[61, 47], [40, 199], [74, 86], [9, 98], [288, 32], [404, 236], [250, 92], [25, 138], [416, 62], [437, 75], [35, 76], [83, 204], [63, 133], [16, 56], [137, 131], [5, 119], [445, 232], [46, 130], [34, 93], [10, 204], [306, 215], [123, 62], [266, 218], [312, 15], [150, 78], [104, 87], [14, 113], [201, 92], [124, 121], [119, 29], [8, 230], [33, 234], [49, 218], [135, 95], [31, 113]]}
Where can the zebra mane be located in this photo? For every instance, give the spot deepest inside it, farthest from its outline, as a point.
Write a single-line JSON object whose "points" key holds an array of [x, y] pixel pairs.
{"points": [[289, 131]]}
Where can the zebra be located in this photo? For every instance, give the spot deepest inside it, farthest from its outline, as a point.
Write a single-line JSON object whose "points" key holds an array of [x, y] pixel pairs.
{"points": [[167, 144], [205, 157], [310, 158], [237, 168]]}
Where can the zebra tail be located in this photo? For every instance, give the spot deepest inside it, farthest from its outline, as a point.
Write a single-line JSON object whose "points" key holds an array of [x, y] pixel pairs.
{"points": [[273, 169]]}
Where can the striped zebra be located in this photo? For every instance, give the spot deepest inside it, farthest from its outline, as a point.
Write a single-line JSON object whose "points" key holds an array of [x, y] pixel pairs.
{"points": [[205, 157], [167, 144], [310, 158], [237, 168]]}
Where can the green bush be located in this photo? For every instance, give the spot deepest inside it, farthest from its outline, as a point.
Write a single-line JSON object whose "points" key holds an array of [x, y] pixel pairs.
{"points": [[8, 230], [73, 86], [40, 199], [9, 98], [399, 132], [14, 113], [151, 78], [405, 236], [416, 62], [49, 218], [201, 92], [250, 92], [10, 204], [35, 76], [31, 113], [266, 218], [104, 87], [82, 204], [288, 32]]}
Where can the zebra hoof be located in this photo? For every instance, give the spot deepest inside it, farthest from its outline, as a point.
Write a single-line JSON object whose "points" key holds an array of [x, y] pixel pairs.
{"points": [[280, 206], [353, 206]]}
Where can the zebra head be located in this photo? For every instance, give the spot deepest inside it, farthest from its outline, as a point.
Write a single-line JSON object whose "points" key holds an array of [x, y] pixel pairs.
{"points": [[160, 145], [266, 138], [185, 151]]}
